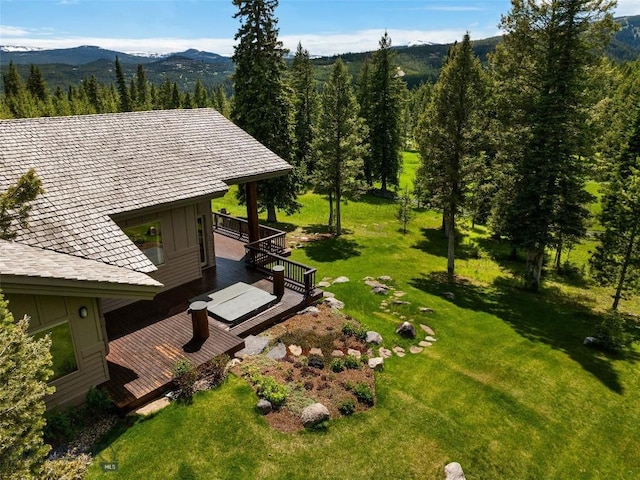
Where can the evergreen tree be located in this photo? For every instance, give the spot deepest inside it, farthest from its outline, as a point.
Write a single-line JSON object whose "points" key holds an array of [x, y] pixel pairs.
{"points": [[176, 97], [262, 104], [25, 367], [125, 100], [339, 143], [15, 204], [92, 90], [219, 100], [616, 260], [200, 95], [363, 94], [450, 136], [385, 115], [12, 81], [541, 70], [61, 103], [404, 214], [36, 84], [143, 99], [305, 108]]}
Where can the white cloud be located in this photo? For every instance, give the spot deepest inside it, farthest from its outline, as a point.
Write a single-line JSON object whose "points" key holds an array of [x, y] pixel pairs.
{"points": [[317, 44], [9, 31], [627, 8]]}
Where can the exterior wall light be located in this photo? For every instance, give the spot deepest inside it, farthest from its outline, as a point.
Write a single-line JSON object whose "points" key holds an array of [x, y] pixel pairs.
{"points": [[83, 312]]}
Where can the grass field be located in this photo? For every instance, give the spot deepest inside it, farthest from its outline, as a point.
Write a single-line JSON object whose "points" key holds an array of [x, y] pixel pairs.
{"points": [[509, 391]]}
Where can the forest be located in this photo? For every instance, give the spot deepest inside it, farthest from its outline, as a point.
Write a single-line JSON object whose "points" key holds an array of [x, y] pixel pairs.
{"points": [[509, 140]]}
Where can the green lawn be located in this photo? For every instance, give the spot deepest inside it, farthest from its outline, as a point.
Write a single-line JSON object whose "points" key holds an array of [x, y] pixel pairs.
{"points": [[509, 391]]}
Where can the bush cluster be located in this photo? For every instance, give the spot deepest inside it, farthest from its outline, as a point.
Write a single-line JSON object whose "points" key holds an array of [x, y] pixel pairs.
{"points": [[363, 393], [337, 365], [185, 376], [351, 362], [269, 389], [613, 332], [352, 330], [347, 407]]}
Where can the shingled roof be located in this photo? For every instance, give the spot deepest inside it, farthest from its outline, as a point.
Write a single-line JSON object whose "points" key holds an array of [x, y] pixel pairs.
{"points": [[95, 166]]}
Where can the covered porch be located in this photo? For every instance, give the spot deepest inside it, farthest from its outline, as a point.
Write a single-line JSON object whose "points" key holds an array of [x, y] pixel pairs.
{"points": [[147, 338]]}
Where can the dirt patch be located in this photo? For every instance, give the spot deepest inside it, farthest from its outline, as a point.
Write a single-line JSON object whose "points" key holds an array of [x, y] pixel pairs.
{"points": [[305, 382]]}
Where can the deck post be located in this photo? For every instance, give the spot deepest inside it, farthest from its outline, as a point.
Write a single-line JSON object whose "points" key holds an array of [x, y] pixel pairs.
{"points": [[252, 211]]}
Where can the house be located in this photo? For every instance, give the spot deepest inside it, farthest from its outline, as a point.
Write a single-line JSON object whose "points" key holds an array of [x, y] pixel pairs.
{"points": [[126, 216]]}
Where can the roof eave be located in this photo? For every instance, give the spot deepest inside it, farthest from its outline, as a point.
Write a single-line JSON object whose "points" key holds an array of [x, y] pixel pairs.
{"points": [[257, 178]]}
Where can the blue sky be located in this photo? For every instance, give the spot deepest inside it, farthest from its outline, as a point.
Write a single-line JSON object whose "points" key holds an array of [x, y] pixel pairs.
{"points": [[324, 27]]}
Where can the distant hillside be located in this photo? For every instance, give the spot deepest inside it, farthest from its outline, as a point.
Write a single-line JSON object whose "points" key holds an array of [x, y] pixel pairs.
{"points": [[420, 63]]}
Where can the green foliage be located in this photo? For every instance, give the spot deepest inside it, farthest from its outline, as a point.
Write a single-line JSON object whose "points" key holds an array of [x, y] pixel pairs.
{"points": [[25, 367], [215, 370], [404, 214], [269, 389], [363, 393], [66, 468], [15, 204], [62, 425], [347, 407], [351, 362], [354, 330], [339, 144], [185, 376], [337, 365], [98, 401], [613, 332]]}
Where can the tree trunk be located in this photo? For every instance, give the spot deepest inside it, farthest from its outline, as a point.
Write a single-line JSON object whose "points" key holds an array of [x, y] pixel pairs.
{"points": [[533, 269], [451, 234], [443, 227], [338, 222], [558, 259], [271, 213], [623, 271], [330, 210], [384, 184]]}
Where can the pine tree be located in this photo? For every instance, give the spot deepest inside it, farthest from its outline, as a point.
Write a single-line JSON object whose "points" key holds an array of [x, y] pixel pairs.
{"points": [[385, 115], [363, 94], [12, 81], [616, 260], [15, 204], [339, 142], [262, 105], [25, 367], [92, 90], [305, 108], [200, 95], [36, 84], [450, 138], [219, 100], [142, 99], [541, 69], [125, 100]]}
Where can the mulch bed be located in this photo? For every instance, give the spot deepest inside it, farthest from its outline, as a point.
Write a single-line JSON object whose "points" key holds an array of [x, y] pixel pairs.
{"points": [[308, 384]]}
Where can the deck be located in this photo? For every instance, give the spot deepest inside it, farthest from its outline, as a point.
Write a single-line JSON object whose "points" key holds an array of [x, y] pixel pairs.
{"points": [[147, 337]]}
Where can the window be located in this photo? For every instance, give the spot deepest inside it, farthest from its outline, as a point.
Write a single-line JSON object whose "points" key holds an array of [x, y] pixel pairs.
{"points": [[148, 238], [202, 242], [63, 352]]}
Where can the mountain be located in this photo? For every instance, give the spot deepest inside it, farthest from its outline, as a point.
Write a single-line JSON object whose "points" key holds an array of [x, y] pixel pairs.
{"points": [[420, 61]]}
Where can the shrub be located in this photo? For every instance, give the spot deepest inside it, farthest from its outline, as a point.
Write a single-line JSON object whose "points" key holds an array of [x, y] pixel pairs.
{"points": [[612, 332], [215, 370], [62, 425], [347, 407], [363, 393], [352, 330], [351, 362], [337, 365], [67, 468], [98, 401], [185, 376], [271, 390]]}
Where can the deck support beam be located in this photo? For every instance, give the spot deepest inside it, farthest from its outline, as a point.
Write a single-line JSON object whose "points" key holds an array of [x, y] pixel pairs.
{"points": [[252, 211]]}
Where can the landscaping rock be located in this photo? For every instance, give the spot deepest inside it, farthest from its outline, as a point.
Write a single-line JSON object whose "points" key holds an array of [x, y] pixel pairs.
{"points": [[380, 290], [334, 303], [406, 329], [399, 294], [414, 349], [315, 351], [385, 352], [400, 302], [323, 284], [367, 278], [399, 351], [341, 280], [328, 294], [427, 329], [354, 353], [374, 337], [426, 310], [312, 310], [449, 295], [337, 354], [314, 414], [264, 406], [431, 339], [424, 343], [253, 345], [316, 362], [385, 278], [376, 363], [232, 363], [590, 341], [278, 352], [454, 471], [295, 350]]}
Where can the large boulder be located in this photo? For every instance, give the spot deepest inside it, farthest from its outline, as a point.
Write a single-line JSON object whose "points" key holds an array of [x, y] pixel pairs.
{"points": [[406, 329], [374, 337], [454, 471], [376, 363], [278, 352], [264, 406], [314, 414], [253, 345]]}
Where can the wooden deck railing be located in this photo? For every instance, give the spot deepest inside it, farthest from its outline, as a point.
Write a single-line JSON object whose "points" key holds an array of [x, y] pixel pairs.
{"points": [[271, 239], [296, 275]]}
